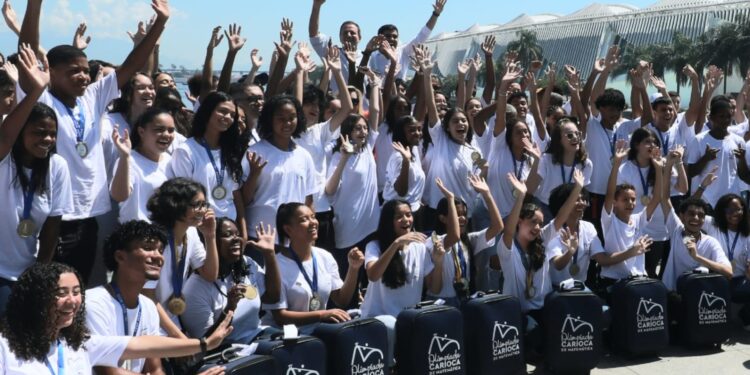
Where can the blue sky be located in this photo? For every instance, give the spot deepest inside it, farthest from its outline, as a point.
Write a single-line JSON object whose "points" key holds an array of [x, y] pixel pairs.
{"points": [[189, 29]]}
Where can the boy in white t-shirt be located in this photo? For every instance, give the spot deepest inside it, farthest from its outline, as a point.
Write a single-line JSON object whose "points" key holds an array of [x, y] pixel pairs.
{"points": [[79, 107], [134, 253]]}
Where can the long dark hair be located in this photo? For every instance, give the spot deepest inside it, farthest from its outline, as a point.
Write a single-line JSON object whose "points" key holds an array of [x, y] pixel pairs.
{"points": [[720, 216], [442, 209], [27, 325], [399, 132], [536, 246], [122, 104], [447, 119], [283, 216], [143, 121], [39, 167], [509, 132], [169, 99], [395, 273], [265, 120], [639, 135], [232, 149], [555, 147], [347, 126], [390, 116]]}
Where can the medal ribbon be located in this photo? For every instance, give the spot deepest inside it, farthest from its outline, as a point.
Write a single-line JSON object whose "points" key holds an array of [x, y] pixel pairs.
{"points": [[664, 141], [459, 261], [562, 173], [28, 197], [526, 265], [178, 270], [644, 183], [314, 282], [60, 361], [730, 250], [79, 122], [516, 170], [611, 142], [121, 301], [219, 171]]}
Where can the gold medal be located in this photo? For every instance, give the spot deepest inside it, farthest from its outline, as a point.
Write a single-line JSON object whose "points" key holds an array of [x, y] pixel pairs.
{"points": [[176, 305], [645, 199], [251, 292], [574, 269], [26, 228], [476, 156]]}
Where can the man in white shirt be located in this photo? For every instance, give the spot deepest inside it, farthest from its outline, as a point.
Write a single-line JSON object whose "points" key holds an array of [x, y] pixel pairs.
{"points": [[134, 253], [349, 32]]}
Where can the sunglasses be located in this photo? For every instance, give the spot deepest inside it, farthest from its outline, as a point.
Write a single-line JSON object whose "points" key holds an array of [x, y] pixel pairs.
{"points": [[573, 135]]}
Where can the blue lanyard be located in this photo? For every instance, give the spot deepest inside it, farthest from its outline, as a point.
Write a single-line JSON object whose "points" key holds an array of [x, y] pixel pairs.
{"points": [[516, 170], [644, 183], [562, 173], [80, 122], [60, 361], [177, 270], [461, 259], [28, 197], [730, 250], [314, 282], [219, 171], [118, 297], [524, 257], [664, 141], [611, 141]]}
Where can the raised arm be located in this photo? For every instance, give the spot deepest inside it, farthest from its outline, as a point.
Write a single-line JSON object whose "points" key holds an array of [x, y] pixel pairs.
{"points": [[235, 42], [471, 80], [256, 60], [346, 150], [376, 99], [621, 153], [519, 191], [120, 189], [569, 240], [10, 18], [660, 190], [343, 296], [691, 115], [739, 113], [588, 87], [140, 54], [462, 68], [610, 62], [313, 28], [496, 221], [334, 63], [453, 231], [570, 203], [577, 107], [30, 26], [488, 47], [401, 185], [437, 9], [639, 85], [207, 75], [541, 128], [250, 186], [429, 95], [283, 48], [512, 72]]}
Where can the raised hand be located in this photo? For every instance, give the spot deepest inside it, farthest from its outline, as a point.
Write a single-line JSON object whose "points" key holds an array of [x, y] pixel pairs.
{"points": [[122, 144], [636, 79], [266, 238], [12, 71], [642, 245], [11, 19], [446, 193], [658, 83], [476, 63], [438, 252], [404, 151], [512, 73], [621, 150], [28, 67], [479, 184], [578, 178], [332, 59], [463, 67], [710, 177], [140, 33], [256, 59], [347, 149], [256, 163], [208, 226], [356, 258], [438, 6], [285, 38], [569, 239], [535, 66], [518, 186], [530, 81], [215, 36], [161, 8], [711, 152], [79, 40], [234, 39], [371, 76], [689, 72], [613, 57], [488, 47], [388, 51], [350, 52], [374, 43]]}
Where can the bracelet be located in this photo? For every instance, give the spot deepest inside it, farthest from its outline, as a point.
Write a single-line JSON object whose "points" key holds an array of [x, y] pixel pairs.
{"points": [[204, 346], [700, 187], [435, 14]]}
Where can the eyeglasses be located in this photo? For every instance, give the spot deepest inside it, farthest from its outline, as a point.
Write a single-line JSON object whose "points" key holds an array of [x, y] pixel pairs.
{"points": [[573, 135], [199, 205]]}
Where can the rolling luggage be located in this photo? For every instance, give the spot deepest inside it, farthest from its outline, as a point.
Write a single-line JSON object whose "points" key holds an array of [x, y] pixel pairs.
{"points": [[429, 340], [240, 365], [639, 316], [358, 346], [305, 355], [573, 324], [703, 316], [493, 334]]}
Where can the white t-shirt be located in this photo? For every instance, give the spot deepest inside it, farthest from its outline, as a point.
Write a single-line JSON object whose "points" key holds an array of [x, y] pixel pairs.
{"points": [[382, 300], [599, 145], [191, 160], [500, 164], [355, 204], [484, 141], [87, 175], [145, 177], [452, 163], [383, 152], [629, 173], [515, 277], [96, 351], [289, 176], [680, 260], [588, 243], [19, 253], [104, 318], [319, 44], [296, 292], [553, 177], [727, 180], [415, 180], [619, 236], [206, 300], [730, 239], [477, 243], [315, 139], [196, 256], [379, 63]]}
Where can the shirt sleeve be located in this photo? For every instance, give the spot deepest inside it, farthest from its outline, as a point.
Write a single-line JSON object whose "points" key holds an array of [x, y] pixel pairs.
{"points": [[372, 252], [479, 241], [100, 93], [181, 164], [98, 321], [106, 350], [694, 151], [199, 315], [197, 253], [332, 269], [62, 193], [319, 44], [673, 222]]}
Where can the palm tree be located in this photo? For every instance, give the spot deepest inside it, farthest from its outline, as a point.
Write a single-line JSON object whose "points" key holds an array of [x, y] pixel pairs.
{"points": [[527, 46], [684, 51]]}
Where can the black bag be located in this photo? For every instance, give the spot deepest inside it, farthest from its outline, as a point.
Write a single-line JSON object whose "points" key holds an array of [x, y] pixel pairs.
{"points": [[355, 347], [300, 356], [429, 340], [493, 326], [639, 316], [704, 310], [573, 323], [236, 365]]}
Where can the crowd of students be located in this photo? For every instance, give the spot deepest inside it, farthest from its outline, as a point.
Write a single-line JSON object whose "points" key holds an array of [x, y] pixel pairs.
{"points": [[283, 201]]}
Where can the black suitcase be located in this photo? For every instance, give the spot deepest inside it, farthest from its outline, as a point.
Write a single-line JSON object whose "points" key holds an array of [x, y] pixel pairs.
{"points": [[573, 324], [235, 365], [703, 316], [493, 334], [301, 356], [639, 316], [429, 341], [358, 346]]}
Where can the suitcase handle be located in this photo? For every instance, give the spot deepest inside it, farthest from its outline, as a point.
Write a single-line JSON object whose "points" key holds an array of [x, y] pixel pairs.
{"points": [[422, 304], [577, 286]]}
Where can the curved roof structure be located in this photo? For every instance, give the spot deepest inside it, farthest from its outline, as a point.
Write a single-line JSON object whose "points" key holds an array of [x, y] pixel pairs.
{"points": [[600, 10]]}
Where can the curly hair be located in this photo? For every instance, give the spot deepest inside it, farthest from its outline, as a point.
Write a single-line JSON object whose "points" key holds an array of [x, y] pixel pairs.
{"points": [[238, 269], [230, 142], [265, 120], [720, 216], [611, 98], [555, 147], [127, 233], [395, 273], [171, 200], [39, 167], [536, 246], [27, 325], [169, 99]]}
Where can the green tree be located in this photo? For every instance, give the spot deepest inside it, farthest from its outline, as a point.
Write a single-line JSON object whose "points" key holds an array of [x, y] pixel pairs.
{"points": [[527, 46]]}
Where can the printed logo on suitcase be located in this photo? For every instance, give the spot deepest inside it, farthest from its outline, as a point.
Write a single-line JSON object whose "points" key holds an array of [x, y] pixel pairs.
{"points": [[711, 309], [505, 341], [650, 316], [577, 335], [367, 360], [444, 355], [300, 371]]}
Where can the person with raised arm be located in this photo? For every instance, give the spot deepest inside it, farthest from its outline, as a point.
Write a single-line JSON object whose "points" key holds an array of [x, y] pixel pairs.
{"points": [[405, 178], [79, 107], [36, 178], [349, 33]]}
